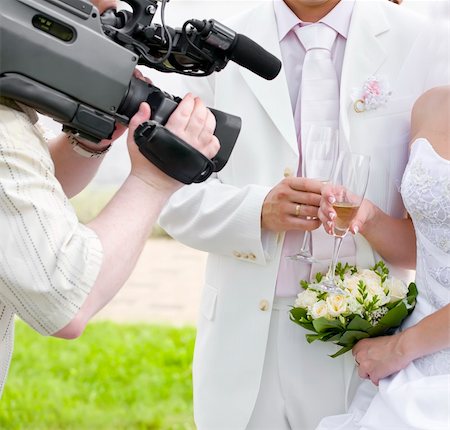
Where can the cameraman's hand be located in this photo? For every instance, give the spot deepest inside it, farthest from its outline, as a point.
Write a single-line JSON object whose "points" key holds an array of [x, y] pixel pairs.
{"points": [[103, 5], [289, 203], [191, 121]]}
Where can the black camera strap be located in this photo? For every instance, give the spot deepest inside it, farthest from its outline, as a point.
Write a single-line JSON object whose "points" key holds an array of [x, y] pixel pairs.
{"points": [[171, 154]]}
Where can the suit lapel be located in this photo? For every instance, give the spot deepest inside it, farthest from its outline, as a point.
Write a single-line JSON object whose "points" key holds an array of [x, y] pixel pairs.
{"points": [[272, 95], [364, 55]]}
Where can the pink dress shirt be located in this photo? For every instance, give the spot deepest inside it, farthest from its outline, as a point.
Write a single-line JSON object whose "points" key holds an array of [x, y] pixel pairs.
{"points": [[293, 54]]}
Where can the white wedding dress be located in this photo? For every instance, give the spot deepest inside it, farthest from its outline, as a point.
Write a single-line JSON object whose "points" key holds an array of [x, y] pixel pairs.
{"points": [[417, 397]]}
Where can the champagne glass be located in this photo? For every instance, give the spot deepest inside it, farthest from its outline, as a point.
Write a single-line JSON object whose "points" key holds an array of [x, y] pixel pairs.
{"points": [[349, 183], [319, 152]]}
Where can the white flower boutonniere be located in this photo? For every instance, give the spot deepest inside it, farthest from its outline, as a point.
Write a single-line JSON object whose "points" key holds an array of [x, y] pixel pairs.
{"points": [[374, 93]]}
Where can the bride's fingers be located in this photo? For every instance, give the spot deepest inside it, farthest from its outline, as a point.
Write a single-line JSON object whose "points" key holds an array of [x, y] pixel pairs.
{"points": [[362, 373], [321, 214], [324, 218], [354, 227], [365, 213], [327, 215], [374, 379]]}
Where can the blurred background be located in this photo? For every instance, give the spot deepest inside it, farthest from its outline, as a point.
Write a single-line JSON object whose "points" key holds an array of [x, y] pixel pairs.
{"points": [[131, 369]]}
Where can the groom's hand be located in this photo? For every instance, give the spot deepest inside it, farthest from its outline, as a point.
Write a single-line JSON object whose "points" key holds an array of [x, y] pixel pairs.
{"points": [[291, 204]]}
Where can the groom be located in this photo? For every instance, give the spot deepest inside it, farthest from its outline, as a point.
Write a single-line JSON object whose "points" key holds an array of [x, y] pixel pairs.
{"points": [[359, 67]]}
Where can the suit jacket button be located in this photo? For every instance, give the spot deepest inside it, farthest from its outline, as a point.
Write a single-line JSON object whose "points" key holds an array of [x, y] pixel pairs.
{"points": [[264, 305], [287, 172], [237, 254]]}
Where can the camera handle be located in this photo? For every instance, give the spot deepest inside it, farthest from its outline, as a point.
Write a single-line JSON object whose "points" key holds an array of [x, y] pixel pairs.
{"points": [[171, 154], [163, 104]]}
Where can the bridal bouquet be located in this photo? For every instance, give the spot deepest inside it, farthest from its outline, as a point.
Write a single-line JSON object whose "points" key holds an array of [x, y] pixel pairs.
{"points": [[374, 304]]}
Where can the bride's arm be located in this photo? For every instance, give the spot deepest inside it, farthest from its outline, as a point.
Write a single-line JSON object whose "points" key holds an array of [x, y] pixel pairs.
{"points": [[382, 356], [392, 238]]}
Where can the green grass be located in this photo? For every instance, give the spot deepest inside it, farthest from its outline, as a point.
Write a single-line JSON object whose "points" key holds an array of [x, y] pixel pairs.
{"points": [[115, 377]]}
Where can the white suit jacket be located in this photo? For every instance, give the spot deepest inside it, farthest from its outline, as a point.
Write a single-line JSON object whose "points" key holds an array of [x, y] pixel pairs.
{"points": [[222, 216]]}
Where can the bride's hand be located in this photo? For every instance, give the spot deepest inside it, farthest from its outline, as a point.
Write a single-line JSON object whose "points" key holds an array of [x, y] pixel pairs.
{"points": [[366, 212], [380, 357], [365, 216]]}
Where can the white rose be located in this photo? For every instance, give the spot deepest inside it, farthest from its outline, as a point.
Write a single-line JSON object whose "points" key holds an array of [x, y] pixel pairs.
{"points": [[370, 275], [336, 305], [397, 289], [372, 281], [374, 287], [351, 284], [377, 290], [319, 309], [306, 299], [354, 306]]}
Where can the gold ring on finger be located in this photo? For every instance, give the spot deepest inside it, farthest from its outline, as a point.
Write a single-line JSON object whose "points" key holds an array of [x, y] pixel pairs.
{"points": [[297, 210]]}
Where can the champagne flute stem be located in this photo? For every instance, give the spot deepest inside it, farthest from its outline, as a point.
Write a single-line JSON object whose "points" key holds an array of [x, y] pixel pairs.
{"points": [[305, 241], [336, 247]]}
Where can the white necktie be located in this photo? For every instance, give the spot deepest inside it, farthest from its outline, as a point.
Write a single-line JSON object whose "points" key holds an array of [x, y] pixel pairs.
{"points": [[319, 87], [319, 105]]}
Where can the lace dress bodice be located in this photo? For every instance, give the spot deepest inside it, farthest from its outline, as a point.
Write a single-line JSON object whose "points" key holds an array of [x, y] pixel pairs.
{"points": [[426, 194]]}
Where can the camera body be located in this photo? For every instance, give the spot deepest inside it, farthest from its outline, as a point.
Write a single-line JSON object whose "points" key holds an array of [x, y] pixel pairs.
{"points": [[75, 74], [76, 66]]}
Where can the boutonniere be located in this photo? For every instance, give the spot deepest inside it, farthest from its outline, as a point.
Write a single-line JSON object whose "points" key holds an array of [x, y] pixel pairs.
{"points": [[374, 93]]}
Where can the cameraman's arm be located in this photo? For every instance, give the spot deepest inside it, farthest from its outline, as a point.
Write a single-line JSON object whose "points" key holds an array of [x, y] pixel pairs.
{"points": [[125, 224], [73, 171]]}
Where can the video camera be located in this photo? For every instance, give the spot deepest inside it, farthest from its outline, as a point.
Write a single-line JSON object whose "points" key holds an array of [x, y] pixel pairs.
{"points": [[76, 66]]}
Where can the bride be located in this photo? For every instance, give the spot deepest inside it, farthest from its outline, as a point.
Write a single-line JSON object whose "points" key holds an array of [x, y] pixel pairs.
{"points": [[410, 368]]}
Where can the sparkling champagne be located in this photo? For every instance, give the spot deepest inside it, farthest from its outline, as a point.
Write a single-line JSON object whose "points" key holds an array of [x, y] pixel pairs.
{"points": [[345, 212]]}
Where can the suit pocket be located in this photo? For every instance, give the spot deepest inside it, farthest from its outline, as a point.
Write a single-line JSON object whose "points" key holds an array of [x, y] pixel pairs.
{"points": [[208, 302]]}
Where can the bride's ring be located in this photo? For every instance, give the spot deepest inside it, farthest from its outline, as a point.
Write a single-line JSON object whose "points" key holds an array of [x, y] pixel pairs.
{"points": [[297, 210]]}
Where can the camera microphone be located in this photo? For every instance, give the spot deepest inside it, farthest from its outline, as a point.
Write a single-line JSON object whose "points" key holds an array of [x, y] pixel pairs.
{"points": [[239, 48]]}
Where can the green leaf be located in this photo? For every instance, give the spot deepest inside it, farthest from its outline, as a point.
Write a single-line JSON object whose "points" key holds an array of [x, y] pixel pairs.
{"points": [[304, 284], [350, 337], [412, 293], [323, 324], [319, 277], [341, 351], [331, 336], [322, 295], [310, 338], [335, 338], [298, 313], [341, 270], [392, 319], [305, 325], [359, 323], [381, 270], [324, 337], [302, 321], [392, 304]]}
